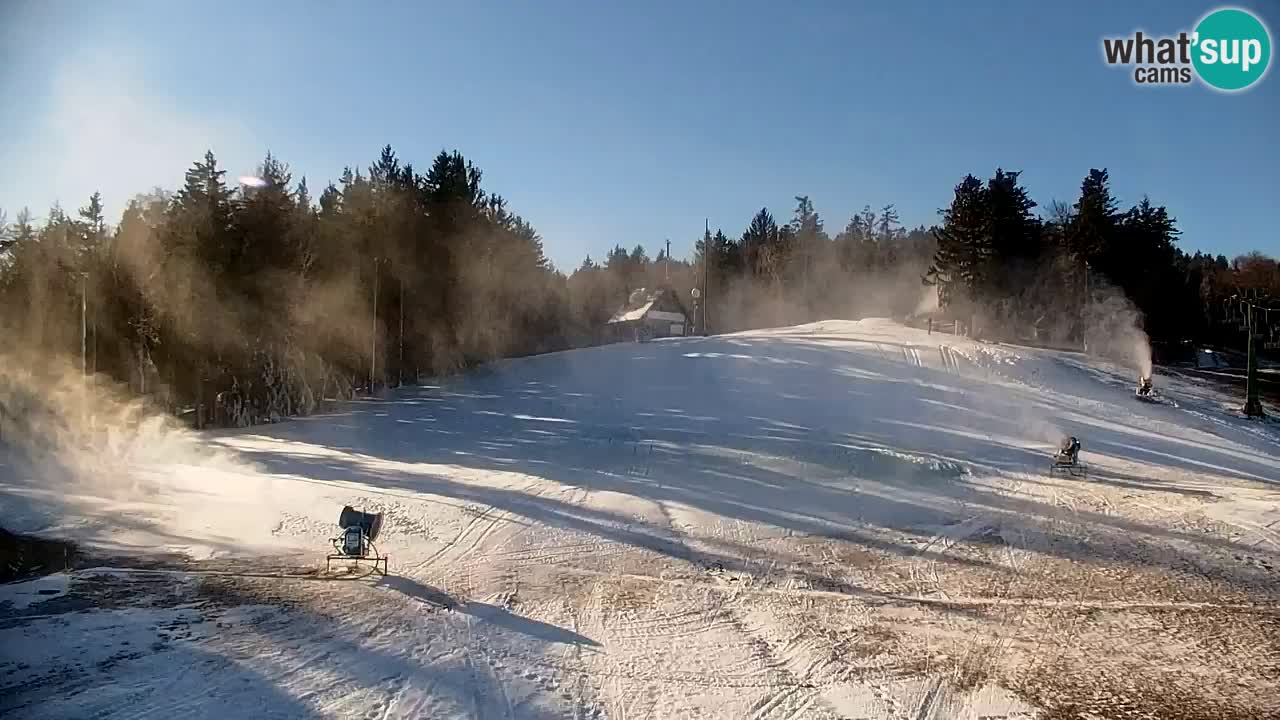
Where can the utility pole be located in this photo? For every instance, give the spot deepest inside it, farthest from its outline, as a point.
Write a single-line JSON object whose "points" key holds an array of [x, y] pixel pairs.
{"points": [[668, 263], [1084, 307], [84, 345], [706, 273], [1252, 403], [84, 328], [808, 253], [373, 330], [400, 363]]}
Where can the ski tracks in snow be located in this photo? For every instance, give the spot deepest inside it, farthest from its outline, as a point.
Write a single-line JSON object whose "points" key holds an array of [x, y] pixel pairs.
{"points": [[786, 704], [488, 693], [911, 354], [467, 540], [488, 530], [950, 358]]}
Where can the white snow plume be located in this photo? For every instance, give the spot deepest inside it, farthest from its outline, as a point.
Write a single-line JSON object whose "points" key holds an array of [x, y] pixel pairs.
{"points": [[928, 301], [77, 455], [1035, 421], [87, 423], [1113, 328], [828, 292]]}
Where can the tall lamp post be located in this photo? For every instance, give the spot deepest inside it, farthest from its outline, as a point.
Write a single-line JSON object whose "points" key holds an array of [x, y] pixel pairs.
{"points": [[84, 327], [1084, 310], [84, 340], [706, 271], [696, 293], [373, 330], [4, 245]]}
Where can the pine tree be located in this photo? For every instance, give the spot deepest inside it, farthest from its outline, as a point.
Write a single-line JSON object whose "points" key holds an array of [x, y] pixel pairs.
{"points": [[92, 228], [22, 231], [198, 250], [638, 268], [1015, 243], [760, 245], [1145, 263], [811, 249], [963, 245], [16, 268], [1092, 233], [727, 254], [857, 246]]}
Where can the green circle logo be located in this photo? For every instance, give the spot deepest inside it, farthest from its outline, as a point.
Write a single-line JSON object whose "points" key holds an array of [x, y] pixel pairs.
{"points": [[1232, 49]]}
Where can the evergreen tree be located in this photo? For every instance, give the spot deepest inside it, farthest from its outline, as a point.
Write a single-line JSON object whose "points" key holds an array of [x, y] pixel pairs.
{"points": [[811, 247], [1092, 232], [92, 229], [1015, 244], [760, 245], [1145, 263], [198, 250], [858, 246], [262, 300], [963, 245]]}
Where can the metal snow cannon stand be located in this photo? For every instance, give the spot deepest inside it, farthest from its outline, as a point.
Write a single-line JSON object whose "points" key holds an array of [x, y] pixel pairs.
{"points": [[359, 529], [1067, 460]]}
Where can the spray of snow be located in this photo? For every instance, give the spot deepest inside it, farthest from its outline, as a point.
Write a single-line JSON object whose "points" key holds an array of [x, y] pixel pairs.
{"points": [[928, 301], [1113, 328], [78, 455], [51, 409]]}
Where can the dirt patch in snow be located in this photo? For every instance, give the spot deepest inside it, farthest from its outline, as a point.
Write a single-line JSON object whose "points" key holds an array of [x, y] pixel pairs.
{"points": [[23, 556]]}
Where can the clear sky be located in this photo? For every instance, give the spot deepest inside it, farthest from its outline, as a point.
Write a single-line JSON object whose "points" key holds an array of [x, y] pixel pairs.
{"points": [[631, 122]]}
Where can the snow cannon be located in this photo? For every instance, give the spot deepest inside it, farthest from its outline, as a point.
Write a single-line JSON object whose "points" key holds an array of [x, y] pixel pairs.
{"points": [[370, 523], [1067, 459], [359, 530], [1144, 386]]}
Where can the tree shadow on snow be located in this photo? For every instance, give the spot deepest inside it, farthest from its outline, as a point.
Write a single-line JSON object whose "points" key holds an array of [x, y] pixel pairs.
{"points": [[139, 666], [817, 450], [371, 651]]}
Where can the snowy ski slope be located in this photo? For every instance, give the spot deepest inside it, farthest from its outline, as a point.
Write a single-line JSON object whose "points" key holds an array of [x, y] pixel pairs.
{"points": [[836, 520]]}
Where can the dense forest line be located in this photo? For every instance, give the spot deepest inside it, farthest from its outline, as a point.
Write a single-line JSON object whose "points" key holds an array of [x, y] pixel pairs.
{"points": [[252, 300]]}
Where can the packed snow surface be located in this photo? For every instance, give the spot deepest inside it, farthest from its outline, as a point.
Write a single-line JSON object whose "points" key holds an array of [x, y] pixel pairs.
{"points": [[836, 520]]}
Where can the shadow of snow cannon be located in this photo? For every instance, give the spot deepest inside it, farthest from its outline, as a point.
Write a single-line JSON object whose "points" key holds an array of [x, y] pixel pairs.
{"points": [[356, 543]]}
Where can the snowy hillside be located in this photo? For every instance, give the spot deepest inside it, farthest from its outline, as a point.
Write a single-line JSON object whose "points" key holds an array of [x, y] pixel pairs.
{"points": [[837, 520]]}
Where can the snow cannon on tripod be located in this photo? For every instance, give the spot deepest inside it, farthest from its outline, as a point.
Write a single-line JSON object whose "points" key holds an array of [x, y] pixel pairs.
{"points": [[1144, 388], [355, 544], [1067, 459]]}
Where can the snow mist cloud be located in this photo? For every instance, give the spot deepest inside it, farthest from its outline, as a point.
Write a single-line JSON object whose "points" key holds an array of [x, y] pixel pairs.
{"points": [[76, 434], [1113, 328]]}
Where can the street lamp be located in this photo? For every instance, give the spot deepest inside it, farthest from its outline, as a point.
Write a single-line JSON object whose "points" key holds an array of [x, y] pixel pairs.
{"points": [[84, 336], [696, 293], [373, 330], [1084, 310], [84, 327]]}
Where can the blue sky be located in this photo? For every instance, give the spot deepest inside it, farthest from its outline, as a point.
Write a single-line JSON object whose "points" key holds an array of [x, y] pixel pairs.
{"points": [[606, 123]]}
